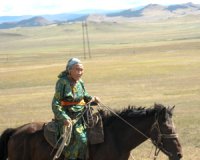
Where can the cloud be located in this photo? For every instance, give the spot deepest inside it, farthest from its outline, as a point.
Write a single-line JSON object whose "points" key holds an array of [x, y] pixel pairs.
{"points": [[165, 2], [34, 7]]}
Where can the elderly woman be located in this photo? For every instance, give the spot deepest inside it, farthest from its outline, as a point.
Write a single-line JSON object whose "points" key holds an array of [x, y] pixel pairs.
{"points": [[68, 104]]}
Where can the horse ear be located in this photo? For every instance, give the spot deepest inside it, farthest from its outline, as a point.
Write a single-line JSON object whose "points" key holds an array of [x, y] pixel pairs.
{"points": [[163, 113], [172, 109]]}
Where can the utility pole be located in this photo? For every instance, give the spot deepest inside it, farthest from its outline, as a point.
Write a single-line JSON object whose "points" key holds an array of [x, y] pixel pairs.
{"points": [[86, 39], [83, 31]]}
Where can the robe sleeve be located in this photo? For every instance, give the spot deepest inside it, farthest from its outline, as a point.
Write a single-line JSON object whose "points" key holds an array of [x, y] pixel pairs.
{"points": [[58, 111]]}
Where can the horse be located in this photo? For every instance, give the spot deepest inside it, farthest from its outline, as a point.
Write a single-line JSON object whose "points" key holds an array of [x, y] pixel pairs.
{"points": [[124, 130]]}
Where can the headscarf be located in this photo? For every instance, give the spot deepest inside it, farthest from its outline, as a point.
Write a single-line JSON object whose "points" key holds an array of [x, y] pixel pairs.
{"points": [[71, 63]]}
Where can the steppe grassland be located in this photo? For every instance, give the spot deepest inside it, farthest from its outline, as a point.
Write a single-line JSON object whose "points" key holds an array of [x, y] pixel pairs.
{"points": [[132, 64]]}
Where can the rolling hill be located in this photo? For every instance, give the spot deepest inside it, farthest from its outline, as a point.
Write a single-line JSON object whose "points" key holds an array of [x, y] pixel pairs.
{"points": [[150, 12], [34, 21]]}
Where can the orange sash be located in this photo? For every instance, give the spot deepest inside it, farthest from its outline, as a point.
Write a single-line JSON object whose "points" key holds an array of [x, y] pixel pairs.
{"points": [[66, 103]]}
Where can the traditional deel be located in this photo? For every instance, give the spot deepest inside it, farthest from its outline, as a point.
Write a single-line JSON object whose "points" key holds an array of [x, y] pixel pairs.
{"points": [[68, 103]]}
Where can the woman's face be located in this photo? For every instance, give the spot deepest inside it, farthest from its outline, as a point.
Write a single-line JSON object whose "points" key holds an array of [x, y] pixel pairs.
{"points": [[77, 71]]}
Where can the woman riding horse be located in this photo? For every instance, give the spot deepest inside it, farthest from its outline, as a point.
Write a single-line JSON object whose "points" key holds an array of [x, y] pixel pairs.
{"points": [[68, 104], [27, 142]]}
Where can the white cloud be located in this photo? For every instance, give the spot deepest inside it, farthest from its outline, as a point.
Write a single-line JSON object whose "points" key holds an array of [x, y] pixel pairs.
{"points": [[166, 2], [25, 7]]}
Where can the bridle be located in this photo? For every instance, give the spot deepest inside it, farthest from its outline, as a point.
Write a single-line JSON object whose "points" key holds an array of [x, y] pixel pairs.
{"points": [[155, 126], [158, 143]]}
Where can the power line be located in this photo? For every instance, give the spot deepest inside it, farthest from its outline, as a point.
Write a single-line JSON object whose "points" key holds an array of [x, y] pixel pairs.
{"points": [[86, 39]]}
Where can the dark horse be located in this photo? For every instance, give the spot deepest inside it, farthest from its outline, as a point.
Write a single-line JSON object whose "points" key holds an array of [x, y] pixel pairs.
{"points": [[123, 133]]}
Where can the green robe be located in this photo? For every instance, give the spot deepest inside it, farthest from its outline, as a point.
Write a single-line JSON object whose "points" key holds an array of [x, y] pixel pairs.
{"points": [[64, 91]]}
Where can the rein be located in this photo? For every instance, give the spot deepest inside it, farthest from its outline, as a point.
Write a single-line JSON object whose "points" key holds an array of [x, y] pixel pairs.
{"points": [[108, 108], [67, 130], [89, 119], [66, 137]]}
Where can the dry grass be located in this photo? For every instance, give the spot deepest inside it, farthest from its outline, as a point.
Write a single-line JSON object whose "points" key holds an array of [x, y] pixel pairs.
{"points": [[132, 64]]}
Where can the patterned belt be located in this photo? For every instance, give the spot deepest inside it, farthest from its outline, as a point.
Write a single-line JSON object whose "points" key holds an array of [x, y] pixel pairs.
{"points": [[66, 103]]}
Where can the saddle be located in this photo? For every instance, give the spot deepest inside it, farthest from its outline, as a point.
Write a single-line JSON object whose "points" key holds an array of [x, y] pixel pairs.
{"points": [[94, 131], [50, 133]]}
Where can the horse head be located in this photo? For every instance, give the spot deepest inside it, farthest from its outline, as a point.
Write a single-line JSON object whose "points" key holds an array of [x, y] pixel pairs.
{"points": [[163, 134]]}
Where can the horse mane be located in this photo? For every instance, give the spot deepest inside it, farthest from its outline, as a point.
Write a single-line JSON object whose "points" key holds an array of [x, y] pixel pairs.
{"points": [[133, 112]]}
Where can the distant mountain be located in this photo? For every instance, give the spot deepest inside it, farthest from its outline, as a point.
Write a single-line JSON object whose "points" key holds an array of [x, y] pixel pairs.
{"points": [[55, 17], [183, 6], [147, 13], [34, 21]]}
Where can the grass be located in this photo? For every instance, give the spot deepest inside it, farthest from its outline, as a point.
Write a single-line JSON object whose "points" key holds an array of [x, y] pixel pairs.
{"points": [[132, 64]]}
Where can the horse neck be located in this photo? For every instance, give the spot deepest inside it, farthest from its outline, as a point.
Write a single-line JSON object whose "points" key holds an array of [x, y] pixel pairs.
{"points": [[131, 137]]}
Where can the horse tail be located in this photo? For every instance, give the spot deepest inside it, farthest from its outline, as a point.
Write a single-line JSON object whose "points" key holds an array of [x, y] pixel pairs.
{"points": [[4, 138]]}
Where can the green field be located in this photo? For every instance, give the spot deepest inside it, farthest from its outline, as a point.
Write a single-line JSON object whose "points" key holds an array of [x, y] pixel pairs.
{"points": [[132, 64]]}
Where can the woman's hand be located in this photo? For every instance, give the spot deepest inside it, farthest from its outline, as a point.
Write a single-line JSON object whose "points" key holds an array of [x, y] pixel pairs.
{"points": [[68, 122], [96, 99]]}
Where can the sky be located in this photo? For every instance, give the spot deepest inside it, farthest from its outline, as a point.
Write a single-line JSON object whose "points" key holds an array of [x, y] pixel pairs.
{"points": [[40, 7]]}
